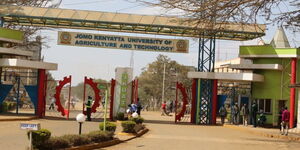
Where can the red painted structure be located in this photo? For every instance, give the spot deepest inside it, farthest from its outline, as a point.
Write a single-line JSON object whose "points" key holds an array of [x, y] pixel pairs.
{"points": [[96, 92], [112, 97], [58, 89], [293, 91], [41, 93], [194, 94], [134, 93], [214, 101], [179, 86]]}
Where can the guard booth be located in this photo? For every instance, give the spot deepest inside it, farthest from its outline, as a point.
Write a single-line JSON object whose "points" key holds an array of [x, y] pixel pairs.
{"points": [[22, 74]]}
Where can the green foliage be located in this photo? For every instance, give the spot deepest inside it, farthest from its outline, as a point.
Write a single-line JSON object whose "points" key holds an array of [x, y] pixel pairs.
{"points": [[100, 136], [151, 80], [128, 126], [8, 106], [138, 120], [77, 140], [109, 126], [77, 90], [55, 143], [120, 116], [42, 139], [39, 137]]}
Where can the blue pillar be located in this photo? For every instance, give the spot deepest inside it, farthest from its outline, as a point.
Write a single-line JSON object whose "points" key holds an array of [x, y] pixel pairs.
{"points": [[206, 61]]}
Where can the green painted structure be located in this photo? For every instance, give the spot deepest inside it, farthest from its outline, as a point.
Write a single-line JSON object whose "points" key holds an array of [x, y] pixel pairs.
{"points": [[12, 36], [276, 82]]}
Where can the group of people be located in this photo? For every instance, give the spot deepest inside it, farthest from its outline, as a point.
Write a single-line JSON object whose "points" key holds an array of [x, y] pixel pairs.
{"points": [[245, 112], [166, 109], [53, 101], [236, 112], [134, 108]]}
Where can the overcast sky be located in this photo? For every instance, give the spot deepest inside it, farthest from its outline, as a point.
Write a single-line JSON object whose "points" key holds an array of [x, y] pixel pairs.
{"points": [[101, 62]]}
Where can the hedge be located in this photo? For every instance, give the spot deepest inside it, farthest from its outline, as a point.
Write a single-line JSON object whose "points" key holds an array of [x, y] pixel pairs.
{"points": [[128, 126], [109, 126]]}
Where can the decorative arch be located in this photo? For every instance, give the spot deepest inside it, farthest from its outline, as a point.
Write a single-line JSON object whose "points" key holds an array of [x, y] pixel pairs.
{"points": [[61, 84], [179, 86], [97, 97]]}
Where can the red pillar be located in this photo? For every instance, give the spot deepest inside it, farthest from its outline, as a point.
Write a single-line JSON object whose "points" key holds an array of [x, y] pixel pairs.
{"points": [[41, 92], [293, 91], [176, 101], [214, 101], [112, 96], [136, 89], [194, 94]]}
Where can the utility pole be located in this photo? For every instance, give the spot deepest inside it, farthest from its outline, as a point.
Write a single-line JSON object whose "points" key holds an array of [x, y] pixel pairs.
{"points": [[163, 88]]}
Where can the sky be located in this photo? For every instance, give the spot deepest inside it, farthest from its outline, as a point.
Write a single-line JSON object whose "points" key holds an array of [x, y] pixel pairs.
{"points": [[101, 62]]}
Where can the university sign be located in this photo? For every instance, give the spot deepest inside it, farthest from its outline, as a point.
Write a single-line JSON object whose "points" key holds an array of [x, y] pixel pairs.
{"points": [[123, 42]]}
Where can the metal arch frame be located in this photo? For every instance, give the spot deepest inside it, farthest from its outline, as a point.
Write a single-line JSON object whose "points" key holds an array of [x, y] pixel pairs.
{"points": [[206, 61], [131, 23]]}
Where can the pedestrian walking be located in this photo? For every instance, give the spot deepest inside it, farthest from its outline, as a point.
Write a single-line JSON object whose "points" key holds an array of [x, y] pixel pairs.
{"points": [[52, 102], [285, 122], [88, 105], [138, 106], [171, 106], [280, 118], [164, 109], [223, 114], [245, 113], [236, 112], [254, 110]]}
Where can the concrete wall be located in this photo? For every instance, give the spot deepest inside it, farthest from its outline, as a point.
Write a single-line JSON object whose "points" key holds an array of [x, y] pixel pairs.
{"points": [[275, 86], [119, 72]]}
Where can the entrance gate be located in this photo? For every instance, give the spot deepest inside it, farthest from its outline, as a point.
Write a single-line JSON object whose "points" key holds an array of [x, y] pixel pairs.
{"points": [[62, 18]]}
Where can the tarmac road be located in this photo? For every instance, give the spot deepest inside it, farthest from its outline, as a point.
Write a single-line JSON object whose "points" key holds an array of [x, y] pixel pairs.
{"points": [[165, 135]]}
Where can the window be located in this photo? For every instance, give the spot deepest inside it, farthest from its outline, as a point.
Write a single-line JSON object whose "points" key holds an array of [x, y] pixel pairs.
{"points": [[264, 105]]}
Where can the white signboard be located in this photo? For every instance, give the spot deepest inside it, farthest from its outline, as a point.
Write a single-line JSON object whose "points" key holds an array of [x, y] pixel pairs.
{"points": [[123, 42], [30, 126]]}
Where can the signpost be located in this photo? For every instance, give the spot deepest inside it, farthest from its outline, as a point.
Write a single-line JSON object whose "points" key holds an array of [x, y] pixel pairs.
{"points": [[30, 126], [105, 109], [123, 42]]}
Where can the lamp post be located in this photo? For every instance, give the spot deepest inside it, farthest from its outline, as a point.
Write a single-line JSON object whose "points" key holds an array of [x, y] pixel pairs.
{"points": [[163, 88], [80, 118]]}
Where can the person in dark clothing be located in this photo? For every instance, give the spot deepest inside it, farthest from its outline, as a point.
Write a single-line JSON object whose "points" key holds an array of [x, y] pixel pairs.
{"points": [[236, 111], [280, 117], [88, 105], [139, 106], [254, 109], [171, 107], [223, 114]]}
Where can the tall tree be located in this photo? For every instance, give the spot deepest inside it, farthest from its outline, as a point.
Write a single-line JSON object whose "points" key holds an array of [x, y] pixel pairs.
{"points": [[151, 80], [283, 12], [30, 32]]}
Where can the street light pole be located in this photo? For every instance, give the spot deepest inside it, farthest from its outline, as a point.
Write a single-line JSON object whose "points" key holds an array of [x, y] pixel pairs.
{"points": [[163, 88]]}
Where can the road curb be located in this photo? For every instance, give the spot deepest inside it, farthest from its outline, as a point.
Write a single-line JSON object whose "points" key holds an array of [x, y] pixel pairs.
{"points": [[108, 143], [269, 135], [19, 119]]}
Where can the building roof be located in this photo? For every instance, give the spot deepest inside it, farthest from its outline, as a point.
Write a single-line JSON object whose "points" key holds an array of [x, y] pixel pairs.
{"points": [[19, 63], [280, 39], [252, 77], [15, 51]]}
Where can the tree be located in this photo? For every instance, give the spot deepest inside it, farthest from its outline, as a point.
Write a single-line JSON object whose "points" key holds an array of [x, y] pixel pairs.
{"points": [[283, 12], [30, 32], [77, 90], [151, 80]]}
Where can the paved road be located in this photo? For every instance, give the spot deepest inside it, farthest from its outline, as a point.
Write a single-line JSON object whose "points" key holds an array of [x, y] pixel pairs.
{"points": [[165, 135]]}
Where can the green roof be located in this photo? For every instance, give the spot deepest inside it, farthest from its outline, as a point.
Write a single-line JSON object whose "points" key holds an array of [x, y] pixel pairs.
{"points": [[9, 35], [268, 51]]}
